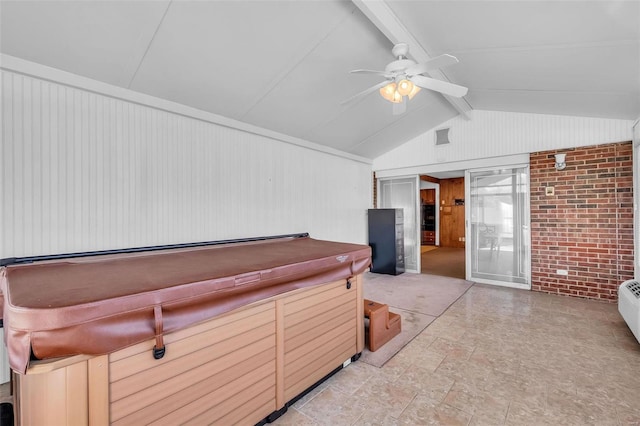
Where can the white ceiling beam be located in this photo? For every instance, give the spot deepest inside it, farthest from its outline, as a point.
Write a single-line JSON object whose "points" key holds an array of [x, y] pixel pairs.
{"points": [[381, 15]]}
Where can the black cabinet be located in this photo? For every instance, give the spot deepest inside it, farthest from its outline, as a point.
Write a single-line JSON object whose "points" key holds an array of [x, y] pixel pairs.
{"points": [[428, 224], [386, 238]]}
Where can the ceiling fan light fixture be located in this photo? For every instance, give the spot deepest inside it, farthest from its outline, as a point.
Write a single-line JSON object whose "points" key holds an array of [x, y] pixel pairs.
{"points": [[388, 91], [405, 87], [404, 78]]}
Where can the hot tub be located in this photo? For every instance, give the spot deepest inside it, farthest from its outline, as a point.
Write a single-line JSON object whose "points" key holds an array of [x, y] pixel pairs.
{"points": [[220, 334]]}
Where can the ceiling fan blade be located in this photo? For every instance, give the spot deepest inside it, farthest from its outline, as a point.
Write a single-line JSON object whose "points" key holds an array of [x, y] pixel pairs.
{"points": [[439, 86], [400, 107], [382, 73], [365, 92], [432, 64]]}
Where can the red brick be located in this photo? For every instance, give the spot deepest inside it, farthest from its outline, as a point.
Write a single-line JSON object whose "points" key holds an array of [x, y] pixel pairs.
{"points": [[587, 227]]}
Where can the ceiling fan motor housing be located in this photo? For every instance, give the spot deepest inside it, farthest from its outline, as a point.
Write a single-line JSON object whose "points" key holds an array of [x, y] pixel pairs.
{"points": [[400, 50], [399, 65]]}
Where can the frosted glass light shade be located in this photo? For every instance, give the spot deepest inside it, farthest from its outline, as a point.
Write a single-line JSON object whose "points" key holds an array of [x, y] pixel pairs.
{"points": [[405, 87], [388, 91], [395, 92], [413, 92]]}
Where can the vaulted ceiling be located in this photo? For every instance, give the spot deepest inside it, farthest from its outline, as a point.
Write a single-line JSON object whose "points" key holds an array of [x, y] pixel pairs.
{"points": [[284, 65]]}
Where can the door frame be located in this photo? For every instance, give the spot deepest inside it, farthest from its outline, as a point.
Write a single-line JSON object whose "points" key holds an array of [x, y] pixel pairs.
{"points": [[436, 187], [416, 215], [527, 220], [445, 166]]}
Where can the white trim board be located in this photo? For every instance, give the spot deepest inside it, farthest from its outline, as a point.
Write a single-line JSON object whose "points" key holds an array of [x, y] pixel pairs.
{"points": [[454, 165]]}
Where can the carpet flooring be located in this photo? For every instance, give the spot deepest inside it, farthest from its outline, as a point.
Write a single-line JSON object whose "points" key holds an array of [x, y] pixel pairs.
{"points": [[424, 249], [445, 261], [418, 298]]}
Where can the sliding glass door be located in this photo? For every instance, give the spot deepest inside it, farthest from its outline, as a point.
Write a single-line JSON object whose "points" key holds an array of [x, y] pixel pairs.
{"points": [[498, 243], [403, 193]]}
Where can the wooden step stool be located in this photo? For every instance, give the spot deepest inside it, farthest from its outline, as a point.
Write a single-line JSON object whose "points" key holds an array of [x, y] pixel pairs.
{"points": [[383, 325]]}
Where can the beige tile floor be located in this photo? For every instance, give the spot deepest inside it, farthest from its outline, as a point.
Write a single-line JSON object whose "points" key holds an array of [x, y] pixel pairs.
{"points": [[497, 356]]}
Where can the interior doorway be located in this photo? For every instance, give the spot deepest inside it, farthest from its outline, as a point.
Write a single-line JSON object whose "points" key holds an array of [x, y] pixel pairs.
{"points": [[442, 224]]}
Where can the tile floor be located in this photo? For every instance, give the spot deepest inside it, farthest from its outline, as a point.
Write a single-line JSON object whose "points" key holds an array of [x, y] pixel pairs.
{"points": [[497, 356]]}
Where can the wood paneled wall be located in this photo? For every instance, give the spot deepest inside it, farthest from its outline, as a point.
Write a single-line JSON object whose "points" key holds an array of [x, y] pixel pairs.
{"points": [[451, 215]]}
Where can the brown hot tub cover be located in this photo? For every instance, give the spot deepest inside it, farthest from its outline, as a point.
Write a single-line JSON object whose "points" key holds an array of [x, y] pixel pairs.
{"points": [[96, 305]]}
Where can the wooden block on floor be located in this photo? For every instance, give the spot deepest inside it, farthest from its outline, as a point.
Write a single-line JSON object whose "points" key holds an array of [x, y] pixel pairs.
{"points": [[383, 325]]}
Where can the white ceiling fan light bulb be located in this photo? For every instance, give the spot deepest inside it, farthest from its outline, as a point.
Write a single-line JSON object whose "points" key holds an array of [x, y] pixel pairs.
{"points": [[397, 97], [405, 87]]}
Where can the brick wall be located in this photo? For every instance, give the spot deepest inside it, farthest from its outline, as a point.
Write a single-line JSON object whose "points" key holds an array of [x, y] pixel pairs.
{"points": [[586, 227]]}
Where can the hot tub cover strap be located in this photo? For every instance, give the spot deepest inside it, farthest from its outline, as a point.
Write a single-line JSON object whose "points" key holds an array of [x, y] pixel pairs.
{"points": [[158, 349]]}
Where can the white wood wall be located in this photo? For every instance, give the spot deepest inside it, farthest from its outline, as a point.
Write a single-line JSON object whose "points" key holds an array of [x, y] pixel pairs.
{"points": [[85, 170], [494, 134]]}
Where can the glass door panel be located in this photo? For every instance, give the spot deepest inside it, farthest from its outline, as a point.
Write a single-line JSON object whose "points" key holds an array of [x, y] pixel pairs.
{"points": [[498, 227], [403, 193]]}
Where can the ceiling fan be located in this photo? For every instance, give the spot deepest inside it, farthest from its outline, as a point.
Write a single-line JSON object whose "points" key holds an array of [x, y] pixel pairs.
{"points": [[403, 79]]}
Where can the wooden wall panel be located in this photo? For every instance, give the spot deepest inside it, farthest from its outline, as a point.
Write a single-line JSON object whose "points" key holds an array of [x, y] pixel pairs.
{"points": [[429, 179], [452, 217], [428, 196]]}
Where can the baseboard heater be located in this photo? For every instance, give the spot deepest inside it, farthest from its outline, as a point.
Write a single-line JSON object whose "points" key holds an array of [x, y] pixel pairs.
{"points": [[629, 305]]}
